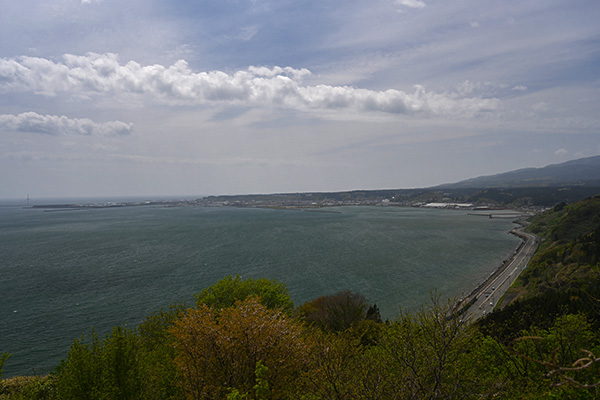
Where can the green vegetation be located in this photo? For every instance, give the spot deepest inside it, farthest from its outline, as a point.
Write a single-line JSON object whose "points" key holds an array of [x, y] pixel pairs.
{"points": [[563, 277], [243, 339], [3, 358], [227, 291], [557, 297]]}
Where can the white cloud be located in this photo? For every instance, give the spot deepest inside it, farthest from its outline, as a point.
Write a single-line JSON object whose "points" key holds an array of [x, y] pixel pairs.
{"points": [[561, 152], [55, 125], [520, 88], [90, 1], [488, 89], [411, 3], [95, 74]]}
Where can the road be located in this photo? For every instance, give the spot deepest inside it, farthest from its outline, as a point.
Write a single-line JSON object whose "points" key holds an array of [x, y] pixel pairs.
{"points": [[494, 288]]}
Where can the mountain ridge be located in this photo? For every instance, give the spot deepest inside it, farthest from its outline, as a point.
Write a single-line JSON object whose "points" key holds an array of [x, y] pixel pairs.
{"points": [[578, 172]]}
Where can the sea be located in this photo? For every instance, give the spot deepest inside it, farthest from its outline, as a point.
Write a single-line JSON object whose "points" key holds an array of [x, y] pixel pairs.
{"points": [[66, 272]]}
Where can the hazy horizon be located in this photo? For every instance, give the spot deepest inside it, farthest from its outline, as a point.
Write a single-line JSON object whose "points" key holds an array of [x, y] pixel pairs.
{"points": [[171, 197], [102, 99]]}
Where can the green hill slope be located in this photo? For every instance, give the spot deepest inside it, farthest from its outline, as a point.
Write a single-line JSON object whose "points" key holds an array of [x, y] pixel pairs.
{"points": [[563, 277]]}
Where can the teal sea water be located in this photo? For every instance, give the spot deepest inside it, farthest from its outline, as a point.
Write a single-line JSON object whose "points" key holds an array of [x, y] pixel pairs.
{"points": [[64, 272]]}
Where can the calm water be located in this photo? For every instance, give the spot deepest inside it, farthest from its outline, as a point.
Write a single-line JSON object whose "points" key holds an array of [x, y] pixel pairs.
{"points": [[63, 272]]}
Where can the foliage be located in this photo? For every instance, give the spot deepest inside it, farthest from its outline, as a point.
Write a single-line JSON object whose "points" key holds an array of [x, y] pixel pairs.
{"points": [[3, 358], [161, 376], [124, 365], [220, 350], [335, 364], [531, 196], [230, 289], [568, 258], [261, 388], [336, 312], [27, 388], [102, 369], [429, 353], [550, 337], [558, 358]]}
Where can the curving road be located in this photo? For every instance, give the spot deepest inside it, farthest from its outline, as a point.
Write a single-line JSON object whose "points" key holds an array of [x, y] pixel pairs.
{"points": [[494, 288]]}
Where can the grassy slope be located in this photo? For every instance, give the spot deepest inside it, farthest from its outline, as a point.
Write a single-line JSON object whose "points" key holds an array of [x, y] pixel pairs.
{"points": [[562, 277]]}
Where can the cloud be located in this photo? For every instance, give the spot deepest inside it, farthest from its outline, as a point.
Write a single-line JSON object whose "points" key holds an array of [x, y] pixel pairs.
{"points": [[411, 3], [520, 88], [55, 125], [96, 74], [247, 33], [90, 1], [540, 107], [561, 152]]}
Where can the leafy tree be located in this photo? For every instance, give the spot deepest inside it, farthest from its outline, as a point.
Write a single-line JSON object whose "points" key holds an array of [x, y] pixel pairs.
{"points": [[117, 367], [562, 357], [157, 345], [79, 376], [334, 367], [218, 350], [261, 389], [27, 388], [373, 314], [336, 312], [230, 289], [343, 368], [428, 354]]}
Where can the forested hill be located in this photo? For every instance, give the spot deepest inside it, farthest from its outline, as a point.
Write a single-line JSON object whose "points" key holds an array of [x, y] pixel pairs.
{"points": [[563, 277], [569, 254], [580, 172]]}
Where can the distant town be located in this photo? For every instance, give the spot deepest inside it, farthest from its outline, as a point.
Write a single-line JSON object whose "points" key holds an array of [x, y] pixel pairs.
{"points": [[528, 190], [465, 199]]}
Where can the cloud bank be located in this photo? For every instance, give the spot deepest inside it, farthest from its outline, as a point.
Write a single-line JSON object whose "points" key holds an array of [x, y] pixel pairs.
{"points": [[55, 125], [97, 74]]}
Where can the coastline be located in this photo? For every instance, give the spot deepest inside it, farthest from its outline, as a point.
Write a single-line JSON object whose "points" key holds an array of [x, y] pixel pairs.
{"points": [[496, 285]]}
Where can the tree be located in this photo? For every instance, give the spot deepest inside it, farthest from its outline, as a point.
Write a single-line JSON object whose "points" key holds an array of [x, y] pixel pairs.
{"points": [[230, 289], [161, 376], [373, 314], [342, 368], [564, 355], [428, 353], [118, 367], [335, 312], [218, 351]]}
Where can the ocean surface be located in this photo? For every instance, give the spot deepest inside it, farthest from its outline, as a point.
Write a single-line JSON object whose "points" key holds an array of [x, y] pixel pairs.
{"points": [[64, 272]]}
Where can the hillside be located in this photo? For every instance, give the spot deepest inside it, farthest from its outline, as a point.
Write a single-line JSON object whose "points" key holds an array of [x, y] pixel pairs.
{"points": [[580, 172], [569, 254], [563, 277], [525, 188]]}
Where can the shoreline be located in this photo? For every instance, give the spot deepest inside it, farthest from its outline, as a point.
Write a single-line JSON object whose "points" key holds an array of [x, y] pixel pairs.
{"points": [[466, 304]]}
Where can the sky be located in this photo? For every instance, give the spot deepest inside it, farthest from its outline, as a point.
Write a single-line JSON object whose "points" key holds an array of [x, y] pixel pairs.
{"points": [[201, 97]]}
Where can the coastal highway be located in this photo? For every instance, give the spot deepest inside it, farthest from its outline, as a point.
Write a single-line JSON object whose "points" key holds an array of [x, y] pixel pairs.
{"points": [[490, 292]]}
